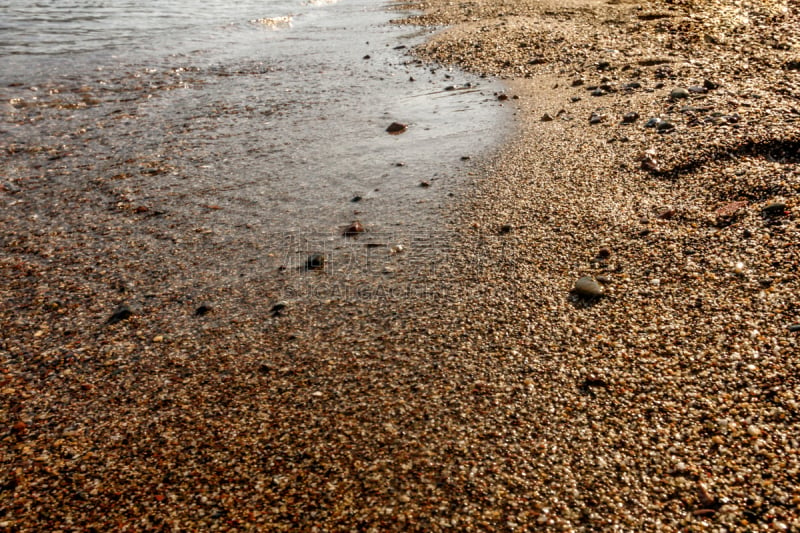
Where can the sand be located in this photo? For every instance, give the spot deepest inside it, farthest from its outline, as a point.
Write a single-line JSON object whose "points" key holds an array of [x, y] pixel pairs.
{"points": [[491, 397]]}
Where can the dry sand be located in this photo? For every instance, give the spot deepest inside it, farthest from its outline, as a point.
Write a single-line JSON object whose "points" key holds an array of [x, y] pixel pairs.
{"points": [[492, 397]]}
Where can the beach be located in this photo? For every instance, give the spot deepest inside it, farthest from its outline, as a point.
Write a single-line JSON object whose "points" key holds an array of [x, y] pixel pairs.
{"points": [[602, 332]]}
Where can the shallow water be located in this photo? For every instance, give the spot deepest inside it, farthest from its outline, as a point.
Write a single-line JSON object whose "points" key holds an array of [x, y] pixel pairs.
{"points": [[254, 124]]}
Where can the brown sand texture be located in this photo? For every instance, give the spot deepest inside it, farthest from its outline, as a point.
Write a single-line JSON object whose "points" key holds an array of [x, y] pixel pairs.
{"points": [[655, 159]]}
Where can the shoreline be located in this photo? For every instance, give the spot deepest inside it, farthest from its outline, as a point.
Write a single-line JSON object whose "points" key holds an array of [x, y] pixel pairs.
{"points": [[498, 400]]}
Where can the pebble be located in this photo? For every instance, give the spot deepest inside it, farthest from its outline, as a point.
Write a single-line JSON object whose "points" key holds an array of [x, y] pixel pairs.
{"points": [[587, 286], [279, 308], [698, 89], [598, 92], [397, 128], [203, 310], [596, 118], [315, 261], [630, 118], [653, 122], [794, 328], [679, 93], [546, 117], [123, 312], [354, 229], [665, 127], [775, 209]]}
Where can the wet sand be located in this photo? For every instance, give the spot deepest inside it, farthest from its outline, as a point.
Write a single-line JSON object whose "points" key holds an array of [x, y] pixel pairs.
{"points": [[491, 396]]}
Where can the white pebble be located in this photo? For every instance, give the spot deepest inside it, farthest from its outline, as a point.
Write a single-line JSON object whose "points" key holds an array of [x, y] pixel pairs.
{"points": [[754, 430]]}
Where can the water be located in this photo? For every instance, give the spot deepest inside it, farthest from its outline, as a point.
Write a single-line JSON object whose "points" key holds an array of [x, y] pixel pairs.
{"points": [[253, 123]]}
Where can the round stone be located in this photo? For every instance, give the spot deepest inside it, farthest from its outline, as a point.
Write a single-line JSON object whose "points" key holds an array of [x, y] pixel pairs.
{"points": [[587, 286]]}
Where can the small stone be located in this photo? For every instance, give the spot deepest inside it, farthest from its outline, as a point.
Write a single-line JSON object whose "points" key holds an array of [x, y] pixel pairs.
{"points": [[630, 118], [315, 261], [633, 85], [424, 184], [547, 118], [123, 312], [366, 56], [505, 229], [775, 209], [650, 164], [794, 328], [598, 92], [587, 287], [679, 93], [203, 310], [279, 308], [792, 64], [578, 82], [356, 198], [754, 431], [710, 85], [396, 128], [596, 118], [604, 253], [698, 89], [653, 122], [158, 338], [502, 97], [665, 127], [354, 229], [576, 99]]}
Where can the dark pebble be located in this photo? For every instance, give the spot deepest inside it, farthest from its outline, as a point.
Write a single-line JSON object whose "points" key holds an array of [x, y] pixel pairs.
{"points": [[630, 118], [356, 198], [794, 328], [665, 127], [203, 310], [123, 312], [279, 308], [397, 127], [315, 262], [775, 209], [505, 228]]}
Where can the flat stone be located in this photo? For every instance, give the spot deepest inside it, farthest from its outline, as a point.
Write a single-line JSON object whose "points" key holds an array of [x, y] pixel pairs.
{"points": [[396, 128], [588, 287], [775, 209], [679, 93]]}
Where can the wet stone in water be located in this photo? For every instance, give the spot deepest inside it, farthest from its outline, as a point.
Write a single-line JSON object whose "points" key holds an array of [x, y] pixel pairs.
{"points": [[354, 229], [315, 262], [397, 128]]}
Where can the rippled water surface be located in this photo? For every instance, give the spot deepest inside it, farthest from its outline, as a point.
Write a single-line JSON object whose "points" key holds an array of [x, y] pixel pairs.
{"points": [[245, 121]]}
